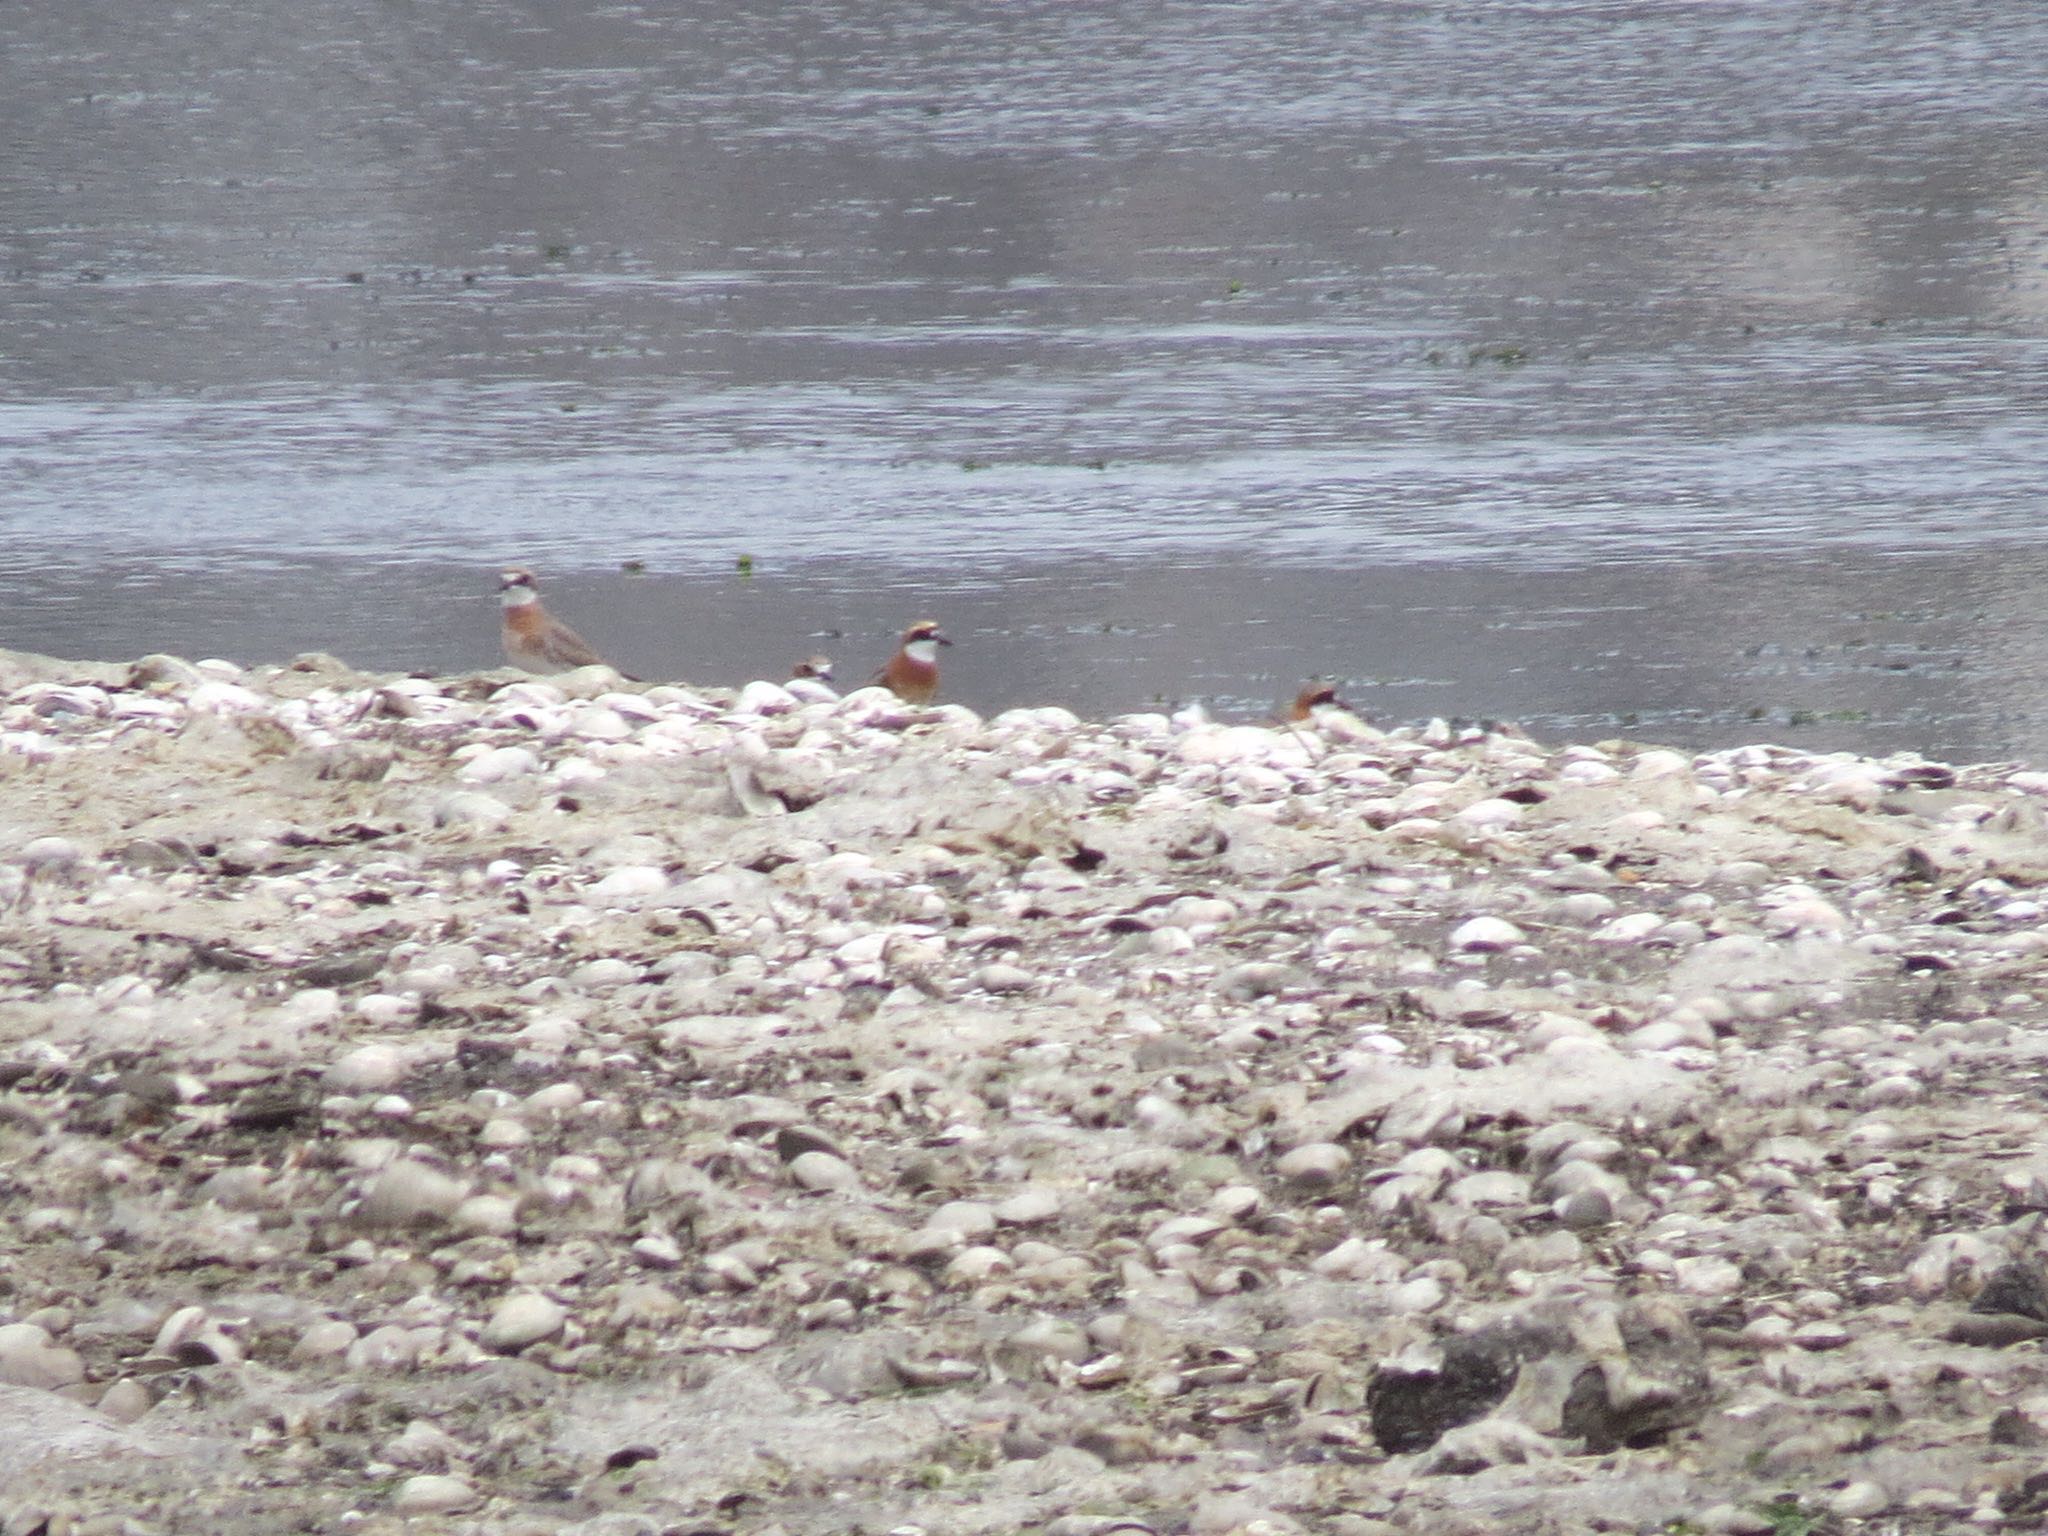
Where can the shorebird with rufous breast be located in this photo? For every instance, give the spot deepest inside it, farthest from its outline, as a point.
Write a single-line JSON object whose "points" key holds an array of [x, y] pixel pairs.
{"points": [[811, 680], [912, 674], [534, 638], [1318, 707], [1314, 698]]}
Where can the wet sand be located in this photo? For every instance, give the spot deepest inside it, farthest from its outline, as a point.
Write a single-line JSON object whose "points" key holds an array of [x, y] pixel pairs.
{"points": [[1942, 654], [1194, 320]]}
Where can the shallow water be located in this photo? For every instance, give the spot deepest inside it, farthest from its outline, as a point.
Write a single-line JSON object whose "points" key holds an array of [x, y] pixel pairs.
{"points": [[1670, 370]]}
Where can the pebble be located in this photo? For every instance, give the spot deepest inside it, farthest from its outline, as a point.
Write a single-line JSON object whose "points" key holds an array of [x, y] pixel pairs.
{"points": [[1316, 1165], [325, 1339], [499, 764], [962, 1218], [29, 1358], [409, 1192], [471, 808], [658, 1251], [1859, 1501], [1004, 979], [1125, 1095], [495, 1215], [1485, 934], [368, 1069], [823, 1171], [45, 855], [125, 1401], [630, 883], [504, 1132], [1029, 1207], [1822, 1336], [433, 1493], [521, 1320]]}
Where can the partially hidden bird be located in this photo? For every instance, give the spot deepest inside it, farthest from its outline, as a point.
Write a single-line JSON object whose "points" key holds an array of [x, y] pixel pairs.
{"points": [[912, 674], [1318, 707], [811, 680], [1314, 698]]}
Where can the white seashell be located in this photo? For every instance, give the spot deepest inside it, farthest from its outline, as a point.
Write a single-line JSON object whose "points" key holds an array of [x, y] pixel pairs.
{"points": [[1632, 928], [56, 701], [141, 706], [637, 707], [1031, 722], [368, 1069], [749, 792], [42, 854], [221, 698], [1809, 915], [1707, 1275], [1426, 796], [1584, 907], [313, 1005], [764, 698], [1415, 827], [1486, 933], [1225, 744], [595, 722], [1108, 784], [1201, 911], [471, 808], [1659, 764], [633, 881], [1255, 782], [876, 708], [1580, 876], [521, 1320], [868, 949], [1341, 725], [498, 764], [384, 1010], [1494, 814]]}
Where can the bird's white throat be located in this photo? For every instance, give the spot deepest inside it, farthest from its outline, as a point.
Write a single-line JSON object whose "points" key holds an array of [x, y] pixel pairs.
{"points": [[924, 652], [519, 597]]}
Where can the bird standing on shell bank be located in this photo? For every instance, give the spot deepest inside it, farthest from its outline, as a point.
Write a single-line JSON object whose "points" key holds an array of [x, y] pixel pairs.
{"points": [[912, 674], [811, 680], [1318, 707], [534, 638], [1313, 700]]}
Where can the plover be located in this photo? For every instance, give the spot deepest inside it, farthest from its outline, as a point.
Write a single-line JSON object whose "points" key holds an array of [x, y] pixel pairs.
{"points": [[811, 680], [534, 638], [912, 674], [1314, 698]]}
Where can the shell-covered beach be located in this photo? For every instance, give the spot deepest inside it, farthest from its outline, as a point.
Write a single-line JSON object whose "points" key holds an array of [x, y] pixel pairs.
{"points": [[484, 1104]]}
